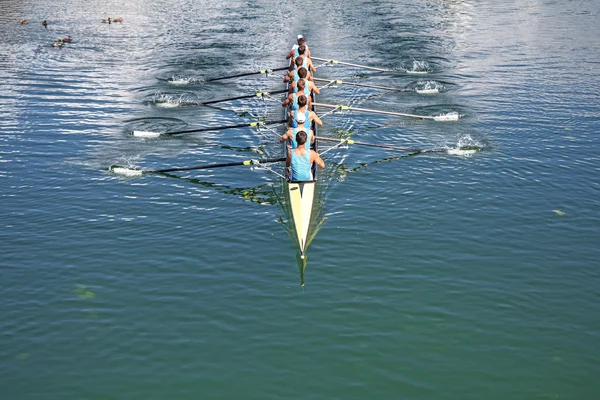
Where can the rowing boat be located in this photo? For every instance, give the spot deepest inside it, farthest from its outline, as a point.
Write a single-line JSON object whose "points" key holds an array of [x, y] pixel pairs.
{"points": [[301, 194]]}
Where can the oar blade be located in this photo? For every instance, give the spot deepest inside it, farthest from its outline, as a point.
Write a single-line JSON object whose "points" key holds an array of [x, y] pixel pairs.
{"points": [[461, 152], [146, 134], [452, 116], [129, 172]]}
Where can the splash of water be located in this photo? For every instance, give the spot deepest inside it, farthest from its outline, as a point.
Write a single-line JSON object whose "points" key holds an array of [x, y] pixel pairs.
{"points": [[451, 116], [428, 87], [419, 67], [165, 100], [182, 80], [126, 171], [465, 146]]}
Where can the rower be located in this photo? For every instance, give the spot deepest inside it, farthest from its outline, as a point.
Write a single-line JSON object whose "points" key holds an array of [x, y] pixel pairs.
{"points": [[302, 75], [300, 159], [303, 116], [291, 136], [306, 61], [294, 51], [293, 75], [301, 88]]}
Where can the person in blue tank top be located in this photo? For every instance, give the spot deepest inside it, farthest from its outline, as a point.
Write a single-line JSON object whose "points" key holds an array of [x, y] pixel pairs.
{"points": [[303, 116], [294, 73], [306, 61], [300, 159], [294, 51], [293, 132], [302, 75], [292, 99]]}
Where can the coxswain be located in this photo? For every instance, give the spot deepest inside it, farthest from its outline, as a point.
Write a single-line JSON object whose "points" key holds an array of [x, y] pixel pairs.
{"points": [[294, 51], [301, 158]]}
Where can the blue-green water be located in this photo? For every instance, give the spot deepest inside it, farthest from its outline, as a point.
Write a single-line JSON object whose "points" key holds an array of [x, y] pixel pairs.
{"points": [[434, 276]]}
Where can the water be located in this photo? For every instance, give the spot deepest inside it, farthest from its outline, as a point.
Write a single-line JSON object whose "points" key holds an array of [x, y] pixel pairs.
{"points": [[435, 276]]}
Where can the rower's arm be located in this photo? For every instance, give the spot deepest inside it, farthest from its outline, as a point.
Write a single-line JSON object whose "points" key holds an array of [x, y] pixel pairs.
{"points": [[290, 55], [315, 157], [316, 118], [315, 89], [288, 157], [292, 88], [287, 101], [285, 136]]}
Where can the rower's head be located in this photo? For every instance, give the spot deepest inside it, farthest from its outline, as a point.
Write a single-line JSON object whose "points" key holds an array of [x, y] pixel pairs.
{"points": [[302, 100], [301, 40], [302, 72], [298, 61], [301, 85], [301, 138], [301, 50]]}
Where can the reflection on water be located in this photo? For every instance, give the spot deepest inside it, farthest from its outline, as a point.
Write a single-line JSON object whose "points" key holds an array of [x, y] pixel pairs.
{"points": [[302, 262], [261, 194]]}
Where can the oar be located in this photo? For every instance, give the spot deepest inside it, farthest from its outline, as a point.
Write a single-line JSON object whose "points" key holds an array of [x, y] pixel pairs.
{"points": [[446, 117], [262, 71], [148, 134], [247, 96], [350, 64], [341, 82], [462, 150], [136, 172]]}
